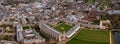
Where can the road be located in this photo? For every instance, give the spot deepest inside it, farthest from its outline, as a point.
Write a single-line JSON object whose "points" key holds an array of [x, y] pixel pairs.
{"points": [[116, 37], [115, 32]]}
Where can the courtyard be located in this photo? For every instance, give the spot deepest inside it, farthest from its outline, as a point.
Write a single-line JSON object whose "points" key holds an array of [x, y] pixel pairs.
{"points": [[61, 27]]}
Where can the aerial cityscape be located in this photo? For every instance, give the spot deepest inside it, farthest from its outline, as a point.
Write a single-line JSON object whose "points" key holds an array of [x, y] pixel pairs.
{"points": [[60, 21]]}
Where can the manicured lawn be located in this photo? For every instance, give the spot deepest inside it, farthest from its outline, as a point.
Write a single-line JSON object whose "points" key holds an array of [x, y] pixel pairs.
{"points": [[1, 26], [86, 36], [78, 41], [103, 17], [62, 27], [11, 31], [104, 3], [90, 1], [117, 8], [25, 27], [96, 22], [38, 31]]}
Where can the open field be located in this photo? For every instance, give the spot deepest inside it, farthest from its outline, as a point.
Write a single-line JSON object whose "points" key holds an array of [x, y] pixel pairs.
{"points": [[86, 36]]}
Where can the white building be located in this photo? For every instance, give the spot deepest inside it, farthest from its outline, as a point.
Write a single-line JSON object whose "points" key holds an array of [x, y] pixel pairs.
{"points": [[72, 31], [72, 18], [113, 12]]}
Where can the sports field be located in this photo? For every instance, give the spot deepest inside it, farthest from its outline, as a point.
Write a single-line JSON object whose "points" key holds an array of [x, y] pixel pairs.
{"points": [[86, 36]]}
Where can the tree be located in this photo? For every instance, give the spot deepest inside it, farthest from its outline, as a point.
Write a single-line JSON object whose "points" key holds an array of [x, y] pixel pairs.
{"points": [[115, 20]]}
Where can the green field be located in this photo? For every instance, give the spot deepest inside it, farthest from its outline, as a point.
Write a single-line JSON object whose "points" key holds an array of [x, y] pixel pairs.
{"points": [[86, 36], [62, 27]]}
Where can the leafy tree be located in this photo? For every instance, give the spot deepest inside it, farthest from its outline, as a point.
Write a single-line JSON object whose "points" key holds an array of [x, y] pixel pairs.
{"points": [[115, 20]]}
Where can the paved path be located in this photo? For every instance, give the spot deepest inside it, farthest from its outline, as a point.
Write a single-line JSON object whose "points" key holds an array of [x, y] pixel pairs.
{"points": [[74, 35], [110, 36]]}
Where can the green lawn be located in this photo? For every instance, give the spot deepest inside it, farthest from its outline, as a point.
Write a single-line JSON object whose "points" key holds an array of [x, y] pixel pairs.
{"points": [[104, 3], [1, 26], [62, 27], [86, 36], [96, 22], [38, 31], [117, 8], [103, 17], [90, 1], [11, 31], [25, 27]]}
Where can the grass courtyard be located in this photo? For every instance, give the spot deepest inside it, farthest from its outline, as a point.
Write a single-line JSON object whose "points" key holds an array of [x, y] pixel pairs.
{"points": [[86, 36], [62, 27], [25, 27], [90, 2], [104, 3]]}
